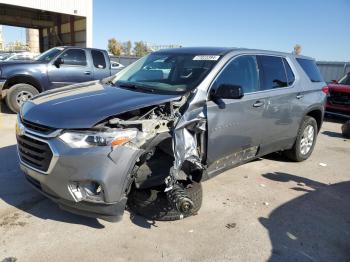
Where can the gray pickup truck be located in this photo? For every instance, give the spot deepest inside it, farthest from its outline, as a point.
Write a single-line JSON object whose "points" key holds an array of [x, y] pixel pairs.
{"points": [[57, 67], [148, 136]]}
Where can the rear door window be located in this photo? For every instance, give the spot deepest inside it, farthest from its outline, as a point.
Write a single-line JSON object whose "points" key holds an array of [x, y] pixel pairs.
{"points": [[98, 59], [272, 72], [311, 69], [241, 71]]}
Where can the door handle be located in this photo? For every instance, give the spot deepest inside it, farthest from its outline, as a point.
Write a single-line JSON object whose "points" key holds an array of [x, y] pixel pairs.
{"points": [[258, 104], [299, 96], [87, 73]]}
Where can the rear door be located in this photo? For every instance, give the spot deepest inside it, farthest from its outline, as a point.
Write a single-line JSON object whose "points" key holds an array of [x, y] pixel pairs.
{"points": [[283, 108], [75, 69], [235, 126], [101, 67]]}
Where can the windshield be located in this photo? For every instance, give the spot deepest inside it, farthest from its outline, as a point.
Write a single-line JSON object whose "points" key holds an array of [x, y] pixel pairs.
{"points": [[345, 80], [49, 54], [167, 72]]}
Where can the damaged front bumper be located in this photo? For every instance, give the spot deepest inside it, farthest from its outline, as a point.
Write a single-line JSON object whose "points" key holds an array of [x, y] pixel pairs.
{"points": [[72, 171]]}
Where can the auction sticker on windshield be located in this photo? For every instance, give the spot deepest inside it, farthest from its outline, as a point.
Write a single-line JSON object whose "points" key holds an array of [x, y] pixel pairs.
{"points": [[206, 57]]}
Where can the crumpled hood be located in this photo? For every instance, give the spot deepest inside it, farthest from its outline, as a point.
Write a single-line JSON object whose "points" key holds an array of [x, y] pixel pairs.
{"points": [[84, 105]]}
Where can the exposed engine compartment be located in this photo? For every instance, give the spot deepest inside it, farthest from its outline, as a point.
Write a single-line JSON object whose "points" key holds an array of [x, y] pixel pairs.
{"points": [[155, 127]]}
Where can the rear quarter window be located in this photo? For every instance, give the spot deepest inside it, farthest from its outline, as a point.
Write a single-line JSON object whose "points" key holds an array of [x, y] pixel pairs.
{"points": [[98, 59], [311, 69]]}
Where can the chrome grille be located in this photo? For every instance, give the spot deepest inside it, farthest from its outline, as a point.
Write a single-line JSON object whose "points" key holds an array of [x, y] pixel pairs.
{"points": [[34, 153], [37, 127]]}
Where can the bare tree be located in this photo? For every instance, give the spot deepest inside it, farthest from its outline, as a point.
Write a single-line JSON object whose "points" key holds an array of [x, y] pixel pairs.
{"points": [[297, 49], [127, 46]]}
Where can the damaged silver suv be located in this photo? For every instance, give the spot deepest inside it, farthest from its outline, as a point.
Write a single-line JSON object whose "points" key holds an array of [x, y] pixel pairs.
{"points": [[147, 137]]}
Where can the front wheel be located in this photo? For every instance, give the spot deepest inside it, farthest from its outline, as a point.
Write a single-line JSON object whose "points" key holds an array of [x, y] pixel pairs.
{"points": [[18, 94], [305, 141], [153, 204]]}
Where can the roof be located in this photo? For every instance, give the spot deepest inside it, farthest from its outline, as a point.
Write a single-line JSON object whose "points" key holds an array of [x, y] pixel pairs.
{"points": [[197, 50], [222, 51], [78, 47]]}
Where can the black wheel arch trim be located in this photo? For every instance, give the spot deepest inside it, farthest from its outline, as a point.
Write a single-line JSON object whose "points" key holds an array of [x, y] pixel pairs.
{"points": [[27, 80]]}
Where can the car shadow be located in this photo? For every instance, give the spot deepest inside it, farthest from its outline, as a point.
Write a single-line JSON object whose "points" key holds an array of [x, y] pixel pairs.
{"points": [[17, 192], [276, 156], [312, 227], [142, 221], [4, 108], [333, 134]]}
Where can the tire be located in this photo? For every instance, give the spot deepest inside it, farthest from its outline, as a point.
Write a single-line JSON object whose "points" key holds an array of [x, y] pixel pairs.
{"points": [[346, 129], [15, 93], [298, 153], [153, 203]]}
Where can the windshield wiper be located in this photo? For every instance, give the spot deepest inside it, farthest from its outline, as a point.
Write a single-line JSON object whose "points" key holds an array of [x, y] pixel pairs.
{"points": [[135, 86]]}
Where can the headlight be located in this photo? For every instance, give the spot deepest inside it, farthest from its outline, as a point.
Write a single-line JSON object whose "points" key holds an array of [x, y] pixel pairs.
{"points": [[91, 139]]}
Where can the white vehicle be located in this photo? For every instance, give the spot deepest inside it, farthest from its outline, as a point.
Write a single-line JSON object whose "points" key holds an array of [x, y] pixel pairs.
{"points": [[20, 56], [116, 65]]}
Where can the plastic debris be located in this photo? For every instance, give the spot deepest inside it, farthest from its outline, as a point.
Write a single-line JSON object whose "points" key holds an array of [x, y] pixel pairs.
{"points": [[323, 164], [266, 203]]}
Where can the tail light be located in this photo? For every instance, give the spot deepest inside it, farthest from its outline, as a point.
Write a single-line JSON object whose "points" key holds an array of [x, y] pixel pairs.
{"points": [[325, 90]]}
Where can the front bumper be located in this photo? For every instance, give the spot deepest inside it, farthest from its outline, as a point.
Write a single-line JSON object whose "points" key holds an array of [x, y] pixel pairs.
{"points": [[110, 169]]}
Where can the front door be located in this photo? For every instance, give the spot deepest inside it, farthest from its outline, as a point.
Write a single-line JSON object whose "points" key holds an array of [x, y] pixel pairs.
{"points": [[75, 69], [235, 126]]}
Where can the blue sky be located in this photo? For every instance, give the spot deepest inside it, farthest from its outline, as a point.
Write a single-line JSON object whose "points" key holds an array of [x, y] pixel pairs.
{"points": [[321, 27]]}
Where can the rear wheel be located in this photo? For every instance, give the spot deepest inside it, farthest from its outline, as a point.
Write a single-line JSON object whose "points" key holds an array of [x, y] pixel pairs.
{"points": [[153, 203], [18, 94], [305, 142]]}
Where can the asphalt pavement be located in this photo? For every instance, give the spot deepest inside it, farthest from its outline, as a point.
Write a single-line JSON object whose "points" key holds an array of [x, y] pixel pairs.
{"points": [[267, 210]]}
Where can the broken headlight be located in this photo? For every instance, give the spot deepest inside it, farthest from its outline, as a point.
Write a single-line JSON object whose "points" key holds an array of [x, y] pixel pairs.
{"points": [[91, 139]]}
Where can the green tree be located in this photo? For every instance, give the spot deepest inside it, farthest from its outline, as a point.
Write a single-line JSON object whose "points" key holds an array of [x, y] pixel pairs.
{"points": [[115, 47], [141, 49]]}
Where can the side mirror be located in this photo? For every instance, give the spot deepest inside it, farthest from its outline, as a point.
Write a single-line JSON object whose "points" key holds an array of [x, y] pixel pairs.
{"points": [[59, 61], [227, 91], [334, 81]]}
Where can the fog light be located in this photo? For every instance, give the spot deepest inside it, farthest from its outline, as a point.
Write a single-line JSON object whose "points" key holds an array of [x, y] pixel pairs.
{"points": [[76, 192], [87, 191]]}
